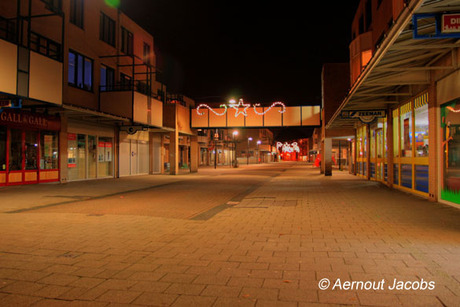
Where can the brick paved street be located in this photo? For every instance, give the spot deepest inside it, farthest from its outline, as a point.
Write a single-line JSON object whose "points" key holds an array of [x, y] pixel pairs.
{"points": [[263, 235]]}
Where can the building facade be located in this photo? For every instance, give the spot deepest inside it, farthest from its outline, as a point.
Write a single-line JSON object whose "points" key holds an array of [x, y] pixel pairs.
{"points": [[79, 96], [403, 102]]}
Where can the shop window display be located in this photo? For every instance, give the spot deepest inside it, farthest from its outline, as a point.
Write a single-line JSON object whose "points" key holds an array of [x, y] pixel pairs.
{"points": [[406, 130], [104, 157], [49, 151], [450, 124], [421, 131], [15, 154], [31, 150]]}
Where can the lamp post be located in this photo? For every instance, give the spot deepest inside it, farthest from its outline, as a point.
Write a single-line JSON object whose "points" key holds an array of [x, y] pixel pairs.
{"points": [[235, 133], [249, 139], [258, 151]]}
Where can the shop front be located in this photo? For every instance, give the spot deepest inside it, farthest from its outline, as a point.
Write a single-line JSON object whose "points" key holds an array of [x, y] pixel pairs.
{"points": [[29, 145], [410, 145], [450, 151], [378, 151], [90, 152], [134, 153]]}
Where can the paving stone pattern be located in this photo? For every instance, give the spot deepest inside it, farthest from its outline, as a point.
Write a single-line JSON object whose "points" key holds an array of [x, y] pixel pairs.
{"points": [[268, 247]]}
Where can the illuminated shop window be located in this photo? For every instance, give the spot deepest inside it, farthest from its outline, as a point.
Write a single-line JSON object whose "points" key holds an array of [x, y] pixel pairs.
{"points": [[450, 124], [406, 130], [49, 152], [421, 131]]}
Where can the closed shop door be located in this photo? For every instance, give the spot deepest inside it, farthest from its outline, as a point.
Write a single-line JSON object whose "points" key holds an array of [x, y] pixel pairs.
{"points": [[125, 157], [143, 157], [134, 158]]}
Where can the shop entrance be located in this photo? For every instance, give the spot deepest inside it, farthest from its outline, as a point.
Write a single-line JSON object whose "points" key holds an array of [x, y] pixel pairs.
{"points": [[23, 153]]}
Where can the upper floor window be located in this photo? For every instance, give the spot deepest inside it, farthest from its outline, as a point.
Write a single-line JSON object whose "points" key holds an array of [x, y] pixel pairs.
{"points": [[107, 78], [107, 30], [127, 42], [80, 71], [146, 53], [76, 12], [53, 5], [45, 46], [125, 82]]}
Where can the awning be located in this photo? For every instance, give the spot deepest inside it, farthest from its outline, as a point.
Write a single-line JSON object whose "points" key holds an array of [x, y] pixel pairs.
{"points": [[399, 63]]}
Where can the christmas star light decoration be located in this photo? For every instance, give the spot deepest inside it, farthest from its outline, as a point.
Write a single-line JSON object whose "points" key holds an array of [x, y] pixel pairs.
{"points": [[237, 107], [240, 108]]}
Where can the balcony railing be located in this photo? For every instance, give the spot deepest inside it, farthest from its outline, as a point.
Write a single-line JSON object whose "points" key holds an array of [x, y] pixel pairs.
{"points": [[45, 46], [8, 29], [137, 86]]}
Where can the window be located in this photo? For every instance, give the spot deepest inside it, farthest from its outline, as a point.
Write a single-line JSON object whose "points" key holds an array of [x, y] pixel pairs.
{"points": [[125, 82], [53, 5], [146, 53], [80, 71], [107, 30], [49, 150], [126, 41], [76, 12], [45, 46], [406, 130], [361, 24], [421, 130], [107, 78], [368, 14]]}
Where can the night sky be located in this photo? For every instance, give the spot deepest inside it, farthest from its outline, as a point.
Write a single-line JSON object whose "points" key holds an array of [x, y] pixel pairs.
{"points": [[259, 50]]}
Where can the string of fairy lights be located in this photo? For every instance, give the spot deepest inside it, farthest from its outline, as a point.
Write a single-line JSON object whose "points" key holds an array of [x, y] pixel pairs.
{"points": [[240, 108]]}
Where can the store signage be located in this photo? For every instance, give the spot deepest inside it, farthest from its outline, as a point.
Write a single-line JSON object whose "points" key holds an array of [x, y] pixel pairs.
{"points": [[451, 23], [366, 116], [29, 120]]}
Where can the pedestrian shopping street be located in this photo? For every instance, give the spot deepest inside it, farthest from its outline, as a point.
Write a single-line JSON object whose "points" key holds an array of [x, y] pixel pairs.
{"points": [[257, 235]]}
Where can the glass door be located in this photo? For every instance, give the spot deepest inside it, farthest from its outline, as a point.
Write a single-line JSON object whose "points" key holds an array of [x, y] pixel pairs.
{"points": [[30, 156], [379, 169], [23, 157]]}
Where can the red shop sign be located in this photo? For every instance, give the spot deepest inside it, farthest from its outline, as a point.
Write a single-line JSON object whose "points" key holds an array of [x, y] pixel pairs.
{"points": [[23, 119], [450, 23]]}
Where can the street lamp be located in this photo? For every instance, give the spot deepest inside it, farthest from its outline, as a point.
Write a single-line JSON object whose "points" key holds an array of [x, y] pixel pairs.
{"points": [[249, 139], [258, 152], [235, 133]]}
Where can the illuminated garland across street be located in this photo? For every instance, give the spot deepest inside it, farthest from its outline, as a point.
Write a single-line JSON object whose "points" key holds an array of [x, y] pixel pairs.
{"points": [[240, 105], [286, 147]]}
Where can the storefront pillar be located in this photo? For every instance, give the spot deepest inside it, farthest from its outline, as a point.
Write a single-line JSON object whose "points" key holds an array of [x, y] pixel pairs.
{"points": [[326, 164], [194, 154], [63, 149], [116, 151], [390, 151], [355, 154], [368, 152], [162, 154], [174, 152], [433, 143]]}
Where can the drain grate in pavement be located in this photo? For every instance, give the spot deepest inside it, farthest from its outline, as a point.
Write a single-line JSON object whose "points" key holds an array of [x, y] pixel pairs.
{"points": [[265, 202]]}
